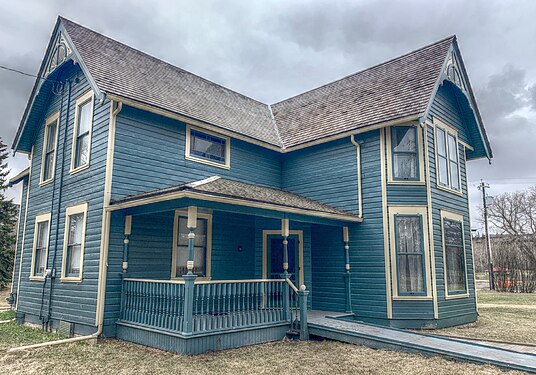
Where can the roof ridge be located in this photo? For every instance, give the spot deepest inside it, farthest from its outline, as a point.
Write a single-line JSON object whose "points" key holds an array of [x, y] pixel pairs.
{"points": [[161, 60], [452, 37], [272, 117]]}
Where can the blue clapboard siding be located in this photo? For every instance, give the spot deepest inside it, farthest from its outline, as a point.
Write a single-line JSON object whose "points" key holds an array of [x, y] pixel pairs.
{"points": [[366, 239], [326, 173], [149, 155], [407, 195], [328, 268], [74, 302], [20, 231], [446, 109]]}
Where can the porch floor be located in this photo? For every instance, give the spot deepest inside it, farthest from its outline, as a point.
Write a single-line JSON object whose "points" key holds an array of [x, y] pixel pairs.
{"points": [[325, 324]]}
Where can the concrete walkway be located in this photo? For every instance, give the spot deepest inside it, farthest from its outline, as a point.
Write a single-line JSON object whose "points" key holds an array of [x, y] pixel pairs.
{"points": [[324, 324]]}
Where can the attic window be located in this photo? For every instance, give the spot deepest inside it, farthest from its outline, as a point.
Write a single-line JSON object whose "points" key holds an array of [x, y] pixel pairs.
{"points": [[207, 147]]}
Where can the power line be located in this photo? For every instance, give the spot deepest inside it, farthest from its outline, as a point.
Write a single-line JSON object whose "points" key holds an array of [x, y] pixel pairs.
{"points": [[27, 74]]}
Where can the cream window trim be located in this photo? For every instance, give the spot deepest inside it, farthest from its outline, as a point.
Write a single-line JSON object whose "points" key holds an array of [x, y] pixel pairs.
{"points": [[39, 219], [420, 160], [410, 210], [449, 130], [187, 156], [208, 259], [82, 100], [70, 211], [49, 121], [454, 217]]}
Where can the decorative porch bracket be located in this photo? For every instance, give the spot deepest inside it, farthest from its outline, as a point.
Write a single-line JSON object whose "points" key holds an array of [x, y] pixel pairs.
{"points": [[189, 278], [347, 278]]}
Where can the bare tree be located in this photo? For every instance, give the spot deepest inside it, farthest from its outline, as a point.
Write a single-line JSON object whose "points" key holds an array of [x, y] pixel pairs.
{"points": [[513, 215]]}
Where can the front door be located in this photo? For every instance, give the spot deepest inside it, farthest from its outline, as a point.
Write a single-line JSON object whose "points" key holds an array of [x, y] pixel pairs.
{"points": [[275, 257]]}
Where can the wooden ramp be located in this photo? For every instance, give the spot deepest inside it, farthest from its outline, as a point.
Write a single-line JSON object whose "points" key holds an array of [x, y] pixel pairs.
{"points": [[325, 324]]}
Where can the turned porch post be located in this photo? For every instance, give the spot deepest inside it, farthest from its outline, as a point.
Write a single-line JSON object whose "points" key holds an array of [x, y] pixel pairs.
{"points": [[346, 240], [189, 278], [285, 275], [126, 241]]}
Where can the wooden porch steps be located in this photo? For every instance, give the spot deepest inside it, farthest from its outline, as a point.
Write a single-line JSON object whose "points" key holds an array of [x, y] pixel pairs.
{"points": [[324, 324]]}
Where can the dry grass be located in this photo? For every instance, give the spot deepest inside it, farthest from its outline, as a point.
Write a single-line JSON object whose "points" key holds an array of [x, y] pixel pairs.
{"points": [[4, 293], [500, 323], [287, 357]]}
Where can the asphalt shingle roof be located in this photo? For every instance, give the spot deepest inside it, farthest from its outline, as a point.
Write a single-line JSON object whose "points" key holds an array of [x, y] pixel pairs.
{"points": [[246, 192], [396, 89]]}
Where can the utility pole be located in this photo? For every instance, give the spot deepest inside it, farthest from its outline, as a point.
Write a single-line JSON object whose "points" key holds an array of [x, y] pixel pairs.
{"points": [[482, 187]]}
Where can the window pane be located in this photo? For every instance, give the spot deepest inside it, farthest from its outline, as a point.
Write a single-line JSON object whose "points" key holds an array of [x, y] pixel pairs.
{"points": [[454, 176], [403, 139], [409, 236], [455, 268], [84, 118], [74, 254], [405, 166], [453, 232], [51, 137], [200, 247], [42, 233], [40, 260], [207, 146], [441, 142], [442, 170], [82, 150], [453, 149], [49, 166], [75, 229], [410, 276]]}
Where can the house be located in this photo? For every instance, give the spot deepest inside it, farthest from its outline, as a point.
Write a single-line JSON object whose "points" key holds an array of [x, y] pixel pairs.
{"points": [[167, 210]]}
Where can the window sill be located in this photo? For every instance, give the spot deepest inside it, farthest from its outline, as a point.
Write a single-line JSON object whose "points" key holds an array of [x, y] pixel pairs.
{"points": [[207, 162], [79, 169], [71, 279], [37, 278], [449, 190], [456, 296], [412, 298], [406, 182], [47, 182]]}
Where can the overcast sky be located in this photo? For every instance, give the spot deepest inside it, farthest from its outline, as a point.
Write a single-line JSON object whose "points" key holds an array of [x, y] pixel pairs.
{"points": [[271, 50]]}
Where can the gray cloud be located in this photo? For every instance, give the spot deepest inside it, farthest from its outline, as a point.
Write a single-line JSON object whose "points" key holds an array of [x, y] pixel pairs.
{"points": [[276, 49]]}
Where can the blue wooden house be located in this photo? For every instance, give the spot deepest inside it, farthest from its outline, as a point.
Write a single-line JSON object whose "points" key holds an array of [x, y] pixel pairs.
{"points": [[164, 209]]}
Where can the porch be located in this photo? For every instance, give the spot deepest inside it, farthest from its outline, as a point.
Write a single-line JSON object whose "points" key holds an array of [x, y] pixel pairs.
{"points": [[199, 275]]}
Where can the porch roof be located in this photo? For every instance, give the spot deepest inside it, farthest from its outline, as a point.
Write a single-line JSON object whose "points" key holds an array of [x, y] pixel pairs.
{"points": [[222, 190]]}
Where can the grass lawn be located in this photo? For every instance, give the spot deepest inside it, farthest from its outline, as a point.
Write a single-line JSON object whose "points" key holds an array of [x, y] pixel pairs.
{"points": [[501, 323], [284, 357]]}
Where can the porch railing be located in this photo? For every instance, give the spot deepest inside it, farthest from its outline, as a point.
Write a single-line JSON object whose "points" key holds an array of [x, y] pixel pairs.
{"points": [[208, 306]]}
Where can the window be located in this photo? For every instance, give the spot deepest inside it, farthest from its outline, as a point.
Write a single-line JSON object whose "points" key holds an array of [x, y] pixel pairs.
{"points": [[73, 246], [454, 254], [207, 147], [40, 246], [82, 132], [448, 169], [409, 252], [202, 245], [49, 148], [404, 153]]}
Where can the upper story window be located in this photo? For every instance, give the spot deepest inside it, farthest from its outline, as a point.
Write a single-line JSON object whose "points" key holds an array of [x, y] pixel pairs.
{"points": [[74, 241], [207, 147], [40, 246], [50, 142], [404, 149], [202, 245], [454, 254], [83, 122], [448, 164]]}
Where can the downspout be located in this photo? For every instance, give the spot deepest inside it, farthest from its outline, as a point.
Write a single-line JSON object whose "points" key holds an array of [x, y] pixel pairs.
{"points": [[359, 193], [104, 251]]}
